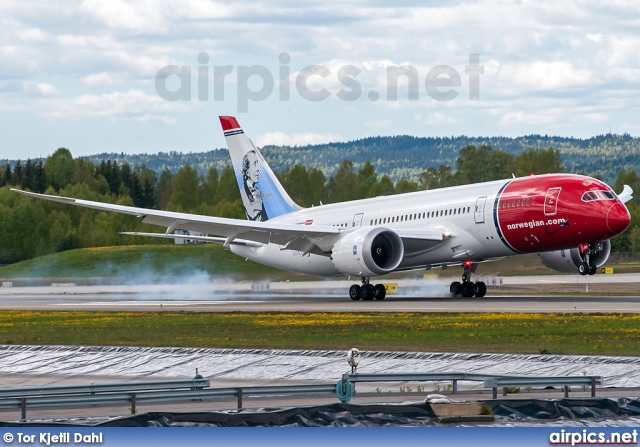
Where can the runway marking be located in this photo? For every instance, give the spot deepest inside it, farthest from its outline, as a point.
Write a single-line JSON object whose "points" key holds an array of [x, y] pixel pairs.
{"points": [[153, 303]]}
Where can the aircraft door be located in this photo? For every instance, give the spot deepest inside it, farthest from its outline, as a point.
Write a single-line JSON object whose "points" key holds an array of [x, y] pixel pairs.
{"points": [[479, 213], [357, 220], [551, 201]]}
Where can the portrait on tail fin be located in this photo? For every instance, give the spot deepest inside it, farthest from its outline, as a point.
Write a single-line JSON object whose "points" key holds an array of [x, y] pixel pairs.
{"points": [[264, 200], [251, 195]]}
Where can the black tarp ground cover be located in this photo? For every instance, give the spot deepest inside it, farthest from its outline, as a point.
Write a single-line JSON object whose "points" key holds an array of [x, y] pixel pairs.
{"points": [[377, 415]]}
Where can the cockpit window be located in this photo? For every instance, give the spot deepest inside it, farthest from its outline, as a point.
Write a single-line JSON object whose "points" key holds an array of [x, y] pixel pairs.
{"points": [[589, 196], [598, 195]]}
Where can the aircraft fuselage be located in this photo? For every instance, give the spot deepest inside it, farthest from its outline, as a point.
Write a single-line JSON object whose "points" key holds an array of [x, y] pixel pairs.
{"points": [[488, 220]]}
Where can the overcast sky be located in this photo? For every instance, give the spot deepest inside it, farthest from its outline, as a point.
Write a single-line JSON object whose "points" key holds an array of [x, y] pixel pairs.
{"points": [[84, 74]]}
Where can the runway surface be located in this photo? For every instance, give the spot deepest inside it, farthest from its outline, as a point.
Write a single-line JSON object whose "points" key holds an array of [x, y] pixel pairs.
{"points": [[429, 295]]}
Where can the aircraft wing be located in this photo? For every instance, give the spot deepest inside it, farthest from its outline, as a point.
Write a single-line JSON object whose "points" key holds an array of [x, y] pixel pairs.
{"points": [[245, 232], [262, 232]]}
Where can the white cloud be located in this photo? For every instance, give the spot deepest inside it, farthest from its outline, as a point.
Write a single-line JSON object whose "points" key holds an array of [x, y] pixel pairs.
{"points": [[103, 78], [521, 118], [40, 88], [34, 35], [378, 126], [551, 118], [15, 63], [597, 37], [544, 76], [436, 119], [138, 17], [296, 139], [128, 105]]}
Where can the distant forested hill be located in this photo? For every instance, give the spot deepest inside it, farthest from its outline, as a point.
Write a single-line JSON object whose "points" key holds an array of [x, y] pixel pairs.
{"points": [[407, 157]]}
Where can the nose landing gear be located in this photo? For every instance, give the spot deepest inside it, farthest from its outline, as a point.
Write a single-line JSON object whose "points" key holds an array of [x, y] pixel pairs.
{"points": [[467, 288], [588, 253]]}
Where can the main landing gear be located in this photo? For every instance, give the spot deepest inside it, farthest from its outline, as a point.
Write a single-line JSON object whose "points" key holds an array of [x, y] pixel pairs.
{"points": [[367, 291], [588, 265], [467, 288]]}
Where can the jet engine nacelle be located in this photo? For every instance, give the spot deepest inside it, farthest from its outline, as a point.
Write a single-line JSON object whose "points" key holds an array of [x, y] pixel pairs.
{"points": [[368, 252], [567, 261]]}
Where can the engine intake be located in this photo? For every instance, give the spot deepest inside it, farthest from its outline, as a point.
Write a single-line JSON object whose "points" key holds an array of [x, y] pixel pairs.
{"points": [[567, 261], [368, 252]]}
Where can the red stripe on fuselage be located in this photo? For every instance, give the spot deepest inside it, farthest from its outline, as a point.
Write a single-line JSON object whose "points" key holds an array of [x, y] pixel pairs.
{"points": [[567, 220]]}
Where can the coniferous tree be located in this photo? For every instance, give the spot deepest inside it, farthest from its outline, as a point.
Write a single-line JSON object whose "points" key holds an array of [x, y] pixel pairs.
{"points": [[148, 197], [163, 190]]}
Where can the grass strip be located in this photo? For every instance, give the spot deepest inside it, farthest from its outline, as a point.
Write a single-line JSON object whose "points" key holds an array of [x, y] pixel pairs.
{"points": [[601, 334]]}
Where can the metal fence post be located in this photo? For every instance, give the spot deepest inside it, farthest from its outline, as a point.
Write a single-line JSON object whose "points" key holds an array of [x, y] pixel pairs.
{"points": [[24, 409], [345, 379], [495, 392], [455, 386], [566, 391], [133, 403], [593, 386], [239, 398]]}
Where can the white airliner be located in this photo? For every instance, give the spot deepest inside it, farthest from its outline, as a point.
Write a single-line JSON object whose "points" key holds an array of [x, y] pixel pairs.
{"points": [[568, 219]]}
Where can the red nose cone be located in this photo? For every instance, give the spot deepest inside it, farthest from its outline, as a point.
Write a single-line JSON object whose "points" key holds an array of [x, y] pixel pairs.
{"points": [[618, 218]]}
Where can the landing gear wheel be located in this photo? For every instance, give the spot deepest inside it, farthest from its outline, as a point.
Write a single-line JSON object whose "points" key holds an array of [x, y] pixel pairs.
{"points": [[468, 289], [367, 292], [455, 288], [592, 270], [583, 268], [481, 289], [381, 292], [354, 292]]}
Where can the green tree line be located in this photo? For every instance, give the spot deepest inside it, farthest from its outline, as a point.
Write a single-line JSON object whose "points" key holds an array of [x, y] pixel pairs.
{"points": [[30, 228], [404, 156]]}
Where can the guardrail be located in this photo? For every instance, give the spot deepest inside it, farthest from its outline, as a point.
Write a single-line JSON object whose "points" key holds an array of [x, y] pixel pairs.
{"points": [[104, 388], [345, 388], [135, 393], [565, 382], [135, 396], [454, 377]]}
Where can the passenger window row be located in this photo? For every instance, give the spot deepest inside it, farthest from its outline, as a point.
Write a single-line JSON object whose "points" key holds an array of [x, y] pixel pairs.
{"points": [[419, 216], [515, 203]]}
